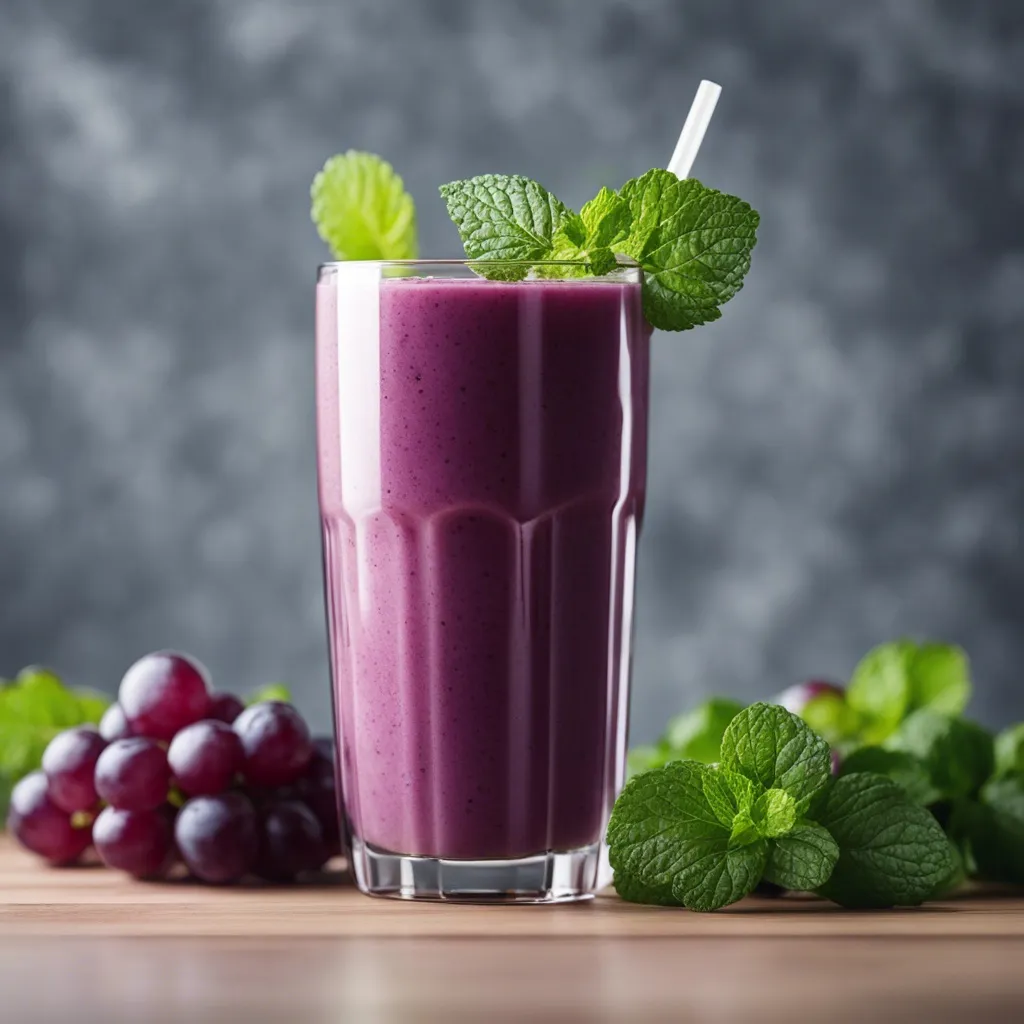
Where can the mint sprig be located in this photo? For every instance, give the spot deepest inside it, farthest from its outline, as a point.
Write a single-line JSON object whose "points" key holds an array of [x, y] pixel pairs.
{"points": [[692, 242], [704, 836]]}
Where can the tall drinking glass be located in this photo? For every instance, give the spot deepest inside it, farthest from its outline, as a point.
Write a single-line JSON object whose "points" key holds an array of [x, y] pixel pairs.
{"points": [[482, 464]]}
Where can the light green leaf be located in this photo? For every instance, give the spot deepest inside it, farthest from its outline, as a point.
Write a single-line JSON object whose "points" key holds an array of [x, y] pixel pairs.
{"points": [[697, 734], [606, 220], [361, 209], [272, 691], [892, 852], [880, 689], [777, 749], [803, 859], [1010, 750], [832, 718], [774, 813], [728, 793], [940, 678]]}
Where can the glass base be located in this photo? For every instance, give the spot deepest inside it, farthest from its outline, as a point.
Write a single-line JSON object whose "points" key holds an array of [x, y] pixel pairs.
{"points": [[561, 877]]}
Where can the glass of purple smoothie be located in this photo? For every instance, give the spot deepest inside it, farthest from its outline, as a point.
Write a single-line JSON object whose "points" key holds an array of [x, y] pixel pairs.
{"points": [[482, 466]]}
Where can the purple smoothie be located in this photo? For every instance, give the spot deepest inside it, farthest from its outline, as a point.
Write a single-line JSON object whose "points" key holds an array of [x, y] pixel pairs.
{"points": [[482, 465]]}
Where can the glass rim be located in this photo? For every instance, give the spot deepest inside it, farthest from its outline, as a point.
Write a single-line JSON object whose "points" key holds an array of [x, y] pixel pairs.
{"points": [[622, 263]]}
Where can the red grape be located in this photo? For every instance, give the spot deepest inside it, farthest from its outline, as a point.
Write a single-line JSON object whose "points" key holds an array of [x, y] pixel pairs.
{"points": [[217, 837], [798, 696], [317, 790], [113, 724], [290, 842], [162, 693], [69, 762], [205, 757], [133, 774], [276, 743], [41, 826], [139, 842], [225, 707]]}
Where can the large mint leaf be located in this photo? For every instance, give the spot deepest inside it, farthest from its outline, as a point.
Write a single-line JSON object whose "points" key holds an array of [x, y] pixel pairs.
{"points": [[940, 678], [630, 888], [504, 217], [802, 859], [880, 689], [361, 209], [958, 754], [891, 851], [664, 833], [776, 749], [697, 734], [909, 772], [694, 244]]}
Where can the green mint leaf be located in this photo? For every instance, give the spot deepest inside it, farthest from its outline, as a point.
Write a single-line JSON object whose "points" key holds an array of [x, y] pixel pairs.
{"points": [[361, 209], [940, 678], [958, 754], [694, 245], [803, 859], [632, 889], [646, 758], [504, 217], [774, 813], [891, 851], [1010, 750], [697, 734], [664, 834], [880, 689], [996, 830], [744, 832], [605, 220], [728, 793], [777, 750], [272, 691], [33, 709], [908, 771]]}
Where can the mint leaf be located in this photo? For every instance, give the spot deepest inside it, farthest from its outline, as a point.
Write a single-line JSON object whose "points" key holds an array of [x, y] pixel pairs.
{"points": [[996, 830], [832, 718], [646, 758], [774, 813], [803, 859], [33, 709], [880, 689], [361, 209], [909, 772], [776, 749], [665, 834], [272, 691], [697, 735], [633, 890], [694, 245], [504, 217], [891, 851], [605, 220], [940, 678], [958, 754], [1010, 750], [728, 793]]}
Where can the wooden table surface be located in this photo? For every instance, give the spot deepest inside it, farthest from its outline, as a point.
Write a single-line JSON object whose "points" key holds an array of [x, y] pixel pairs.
{"points": [[87, 944]]}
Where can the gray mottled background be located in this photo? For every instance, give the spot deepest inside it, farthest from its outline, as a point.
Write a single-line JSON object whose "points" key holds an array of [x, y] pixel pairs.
{"points": [[838, 461]]}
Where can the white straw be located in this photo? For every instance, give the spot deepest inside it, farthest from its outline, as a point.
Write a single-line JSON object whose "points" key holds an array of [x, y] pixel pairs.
{"points": [[696, 125]]}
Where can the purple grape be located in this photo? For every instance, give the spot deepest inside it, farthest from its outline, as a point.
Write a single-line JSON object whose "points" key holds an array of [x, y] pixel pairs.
{"points": [[41, 826], [797, 697], [317, 789], [205, 757], [138, 842], [69, 763], [113, 724], [133, 774], [291, 842], [276, 743], [225, 707], [217, 837], [162, 693]]}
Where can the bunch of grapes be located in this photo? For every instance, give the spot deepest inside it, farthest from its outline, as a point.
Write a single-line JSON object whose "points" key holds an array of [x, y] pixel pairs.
{"points": [[177, 772]]}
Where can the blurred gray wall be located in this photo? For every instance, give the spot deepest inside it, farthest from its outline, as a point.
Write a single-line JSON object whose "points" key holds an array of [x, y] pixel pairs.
{"points": [[838, 461]]}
